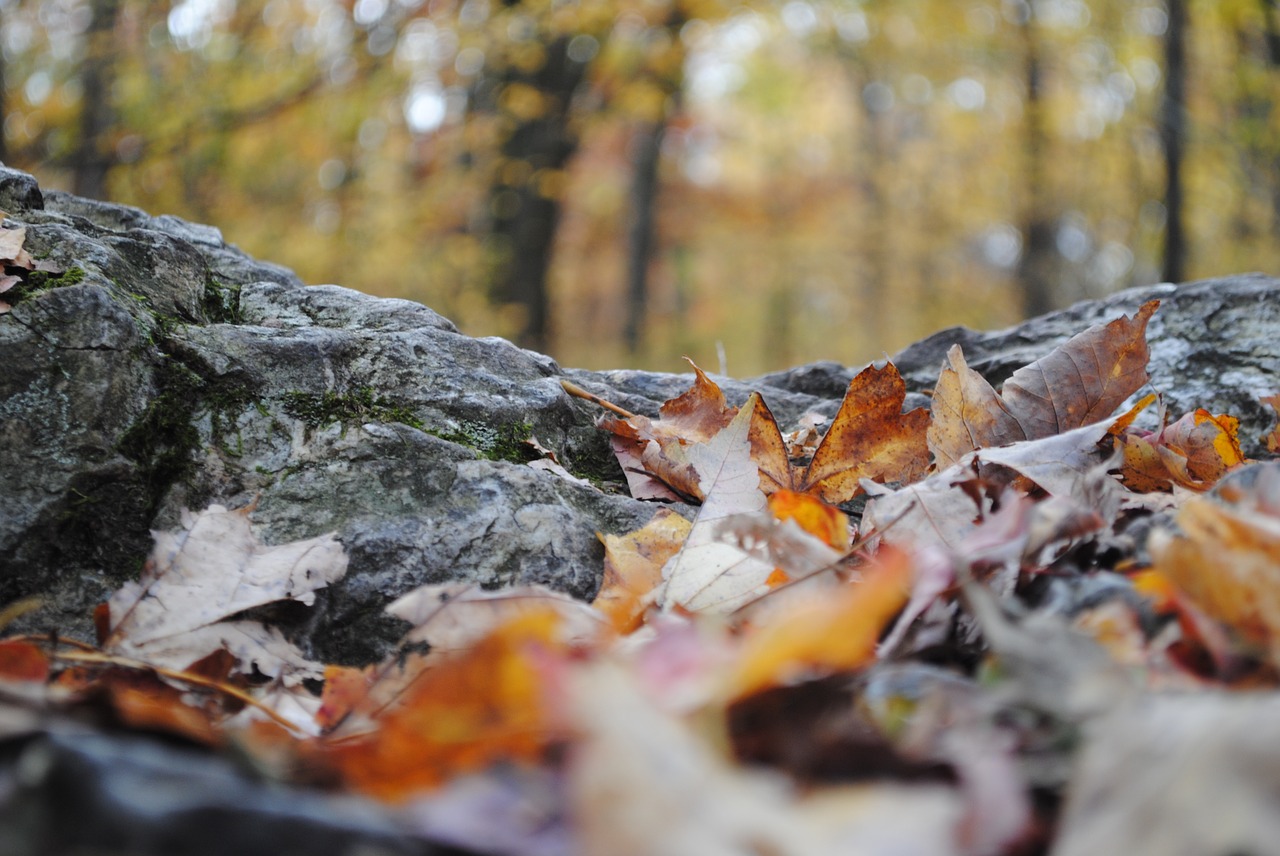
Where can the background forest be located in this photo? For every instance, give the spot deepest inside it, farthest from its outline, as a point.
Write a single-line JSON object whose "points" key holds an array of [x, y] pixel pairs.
{"points": [[618, 182]]}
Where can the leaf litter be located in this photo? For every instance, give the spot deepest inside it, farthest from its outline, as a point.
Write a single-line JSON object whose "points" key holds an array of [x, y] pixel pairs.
{"points": [[1020, 639]]}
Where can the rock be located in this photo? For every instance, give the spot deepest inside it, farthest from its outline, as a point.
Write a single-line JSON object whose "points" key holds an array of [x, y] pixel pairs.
{"points": [[166, 369]]}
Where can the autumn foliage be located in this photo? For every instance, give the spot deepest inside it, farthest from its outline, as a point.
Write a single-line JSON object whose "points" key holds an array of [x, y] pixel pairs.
{"points": [[820, 604]]}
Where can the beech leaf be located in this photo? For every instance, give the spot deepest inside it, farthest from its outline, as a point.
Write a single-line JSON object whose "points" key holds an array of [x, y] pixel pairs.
{"points": [[1082, 381]]}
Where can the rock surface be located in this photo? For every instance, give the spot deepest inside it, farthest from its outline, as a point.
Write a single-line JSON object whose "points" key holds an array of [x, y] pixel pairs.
{"points": [[167, 369]]}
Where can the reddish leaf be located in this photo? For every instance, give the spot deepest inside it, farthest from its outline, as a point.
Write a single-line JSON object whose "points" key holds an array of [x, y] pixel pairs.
{"points": [[23, 661]]}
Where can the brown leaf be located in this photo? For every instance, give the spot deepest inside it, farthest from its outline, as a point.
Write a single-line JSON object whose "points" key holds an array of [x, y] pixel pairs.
{"points": [[870, 438], [967, 414], [1082, 381]]}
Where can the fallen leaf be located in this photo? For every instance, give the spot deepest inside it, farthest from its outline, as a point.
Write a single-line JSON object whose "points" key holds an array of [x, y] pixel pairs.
{"points": [[23, 661], [1057, 462], [210, 570], [633, 568], [642, 783], [449, 619], [707, 573], [1082, 381], [486, 705], [825, 522], [834, 632], [1224, 560], [1272, 439], [870, 438], [967, 414], [1193, 452]]}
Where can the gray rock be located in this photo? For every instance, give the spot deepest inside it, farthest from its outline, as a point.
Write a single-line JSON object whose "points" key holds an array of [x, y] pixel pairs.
{"points": [[170, 370]]}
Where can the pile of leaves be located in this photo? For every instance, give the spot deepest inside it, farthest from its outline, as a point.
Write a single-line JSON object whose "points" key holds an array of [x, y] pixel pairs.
{"points": [[925, 632]]}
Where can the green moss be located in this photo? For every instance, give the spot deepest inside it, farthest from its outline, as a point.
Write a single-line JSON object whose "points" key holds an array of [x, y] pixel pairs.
{"points": [[222, 302], [361, 405], [492, 443], [38, 281]]}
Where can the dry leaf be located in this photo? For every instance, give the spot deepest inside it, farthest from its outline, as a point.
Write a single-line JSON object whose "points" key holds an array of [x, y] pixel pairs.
{"points": [[1225, 561], [707, 573], [1082, 381], [870, 438], [967, 414], [1193, 453], [488, 704], [212, 569], [633, 568], [833, 632]]}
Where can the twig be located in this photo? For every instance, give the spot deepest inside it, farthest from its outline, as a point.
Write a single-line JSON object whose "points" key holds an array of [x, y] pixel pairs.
{"points": [[185, 677], [577, 391]]}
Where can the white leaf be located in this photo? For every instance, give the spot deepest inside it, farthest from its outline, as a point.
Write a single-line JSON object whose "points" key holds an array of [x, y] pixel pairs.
{"points": [[211, 570]]}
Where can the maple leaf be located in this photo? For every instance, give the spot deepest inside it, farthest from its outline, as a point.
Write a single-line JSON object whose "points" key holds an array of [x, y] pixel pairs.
{"points": [[707, 573], [650, 450], [870, 438], [213, 569]]}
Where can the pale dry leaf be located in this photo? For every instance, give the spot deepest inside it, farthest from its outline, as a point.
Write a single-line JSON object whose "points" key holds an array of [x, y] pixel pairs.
{"points": [[930, 512], [1058, 462], [643, 784], [452, 617], [212, 569], [707, 573]]}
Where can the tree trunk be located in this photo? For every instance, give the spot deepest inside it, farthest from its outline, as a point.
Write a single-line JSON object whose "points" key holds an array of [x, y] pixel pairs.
{"points": [[645, 155], [1037, 267], [523, 202], [1173, 134], [94, 156]]}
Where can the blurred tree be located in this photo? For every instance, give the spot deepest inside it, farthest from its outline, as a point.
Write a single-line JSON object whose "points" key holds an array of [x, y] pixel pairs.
{"points": [[1173, 133]]}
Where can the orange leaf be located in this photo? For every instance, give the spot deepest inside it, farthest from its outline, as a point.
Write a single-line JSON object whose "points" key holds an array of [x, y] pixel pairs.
{"points": [[633, 567], [814, 516], [1193, 452], [486, 705], [1225, 562], [833, 632], [23, 661], [145, 702], [345, 688], [870, 438]]}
